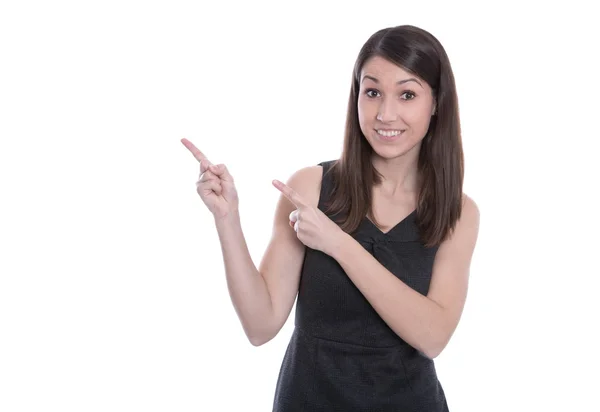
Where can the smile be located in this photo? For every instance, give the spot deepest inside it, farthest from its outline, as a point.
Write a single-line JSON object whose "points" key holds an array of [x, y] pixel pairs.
{"points": [[389, 133]]}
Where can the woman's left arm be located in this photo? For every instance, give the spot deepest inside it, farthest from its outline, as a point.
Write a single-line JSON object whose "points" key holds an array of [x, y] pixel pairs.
{"points": [[425, 322]]}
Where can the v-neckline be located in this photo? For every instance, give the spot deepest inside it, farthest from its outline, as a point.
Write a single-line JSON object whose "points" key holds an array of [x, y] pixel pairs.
{"points": [[374, 226]]}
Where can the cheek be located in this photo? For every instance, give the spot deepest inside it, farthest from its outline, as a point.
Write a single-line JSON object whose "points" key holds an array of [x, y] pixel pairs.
{"points": [[418, 118], [365, 111]]}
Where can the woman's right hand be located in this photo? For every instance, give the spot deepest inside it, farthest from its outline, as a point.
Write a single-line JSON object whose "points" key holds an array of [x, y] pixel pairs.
{"points": [[215, 185]]}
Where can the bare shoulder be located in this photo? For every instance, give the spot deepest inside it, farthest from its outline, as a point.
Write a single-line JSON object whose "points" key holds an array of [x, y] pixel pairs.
{"points": [[464, 235], [307, 182], [470, 213]]}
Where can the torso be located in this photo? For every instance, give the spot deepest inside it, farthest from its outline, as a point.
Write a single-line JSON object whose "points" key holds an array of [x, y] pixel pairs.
{"points": [[342, 355]]}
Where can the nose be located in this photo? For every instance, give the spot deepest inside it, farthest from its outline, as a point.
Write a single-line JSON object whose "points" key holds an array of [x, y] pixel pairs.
{"points": [[388, 112]]}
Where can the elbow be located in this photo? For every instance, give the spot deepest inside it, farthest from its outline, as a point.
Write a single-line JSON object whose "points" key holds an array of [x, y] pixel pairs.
{"points": [[261, 333], [259, 339], [434, 348], [256, 342], [431, 353]]}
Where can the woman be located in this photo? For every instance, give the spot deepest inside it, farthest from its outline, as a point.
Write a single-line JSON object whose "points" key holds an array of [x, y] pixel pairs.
{"points": [[381, 244]]}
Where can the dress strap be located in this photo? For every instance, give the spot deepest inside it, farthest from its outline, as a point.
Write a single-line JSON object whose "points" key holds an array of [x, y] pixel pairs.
{"points": [[326, 184]]}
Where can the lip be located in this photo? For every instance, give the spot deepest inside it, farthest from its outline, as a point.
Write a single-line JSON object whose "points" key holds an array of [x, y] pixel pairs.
{"points": [[389, 138]]}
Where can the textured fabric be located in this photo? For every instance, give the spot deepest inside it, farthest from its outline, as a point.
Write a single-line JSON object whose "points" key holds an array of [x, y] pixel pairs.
{"points": [[342, 356]]}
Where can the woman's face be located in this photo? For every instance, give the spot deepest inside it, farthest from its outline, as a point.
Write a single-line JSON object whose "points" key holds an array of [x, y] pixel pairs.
{"points": [[394, 108]]}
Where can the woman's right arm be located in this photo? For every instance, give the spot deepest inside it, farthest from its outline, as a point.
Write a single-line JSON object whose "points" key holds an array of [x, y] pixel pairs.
{"points": [[263, 297]]}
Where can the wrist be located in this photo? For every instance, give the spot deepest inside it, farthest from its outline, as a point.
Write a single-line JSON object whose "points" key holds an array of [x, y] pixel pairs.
{"points": [[230, 219], [340, 243]]}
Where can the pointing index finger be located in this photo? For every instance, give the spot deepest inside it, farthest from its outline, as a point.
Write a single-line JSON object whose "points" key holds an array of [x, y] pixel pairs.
{"points": [[290, 193], [200, 157]]}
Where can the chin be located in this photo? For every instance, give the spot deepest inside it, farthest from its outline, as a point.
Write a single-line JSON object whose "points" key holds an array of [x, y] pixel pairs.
{"points": [[390, 152]]}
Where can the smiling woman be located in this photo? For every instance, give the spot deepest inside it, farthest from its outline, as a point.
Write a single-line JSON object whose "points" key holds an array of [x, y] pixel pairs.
{"points": [[380, 244]]}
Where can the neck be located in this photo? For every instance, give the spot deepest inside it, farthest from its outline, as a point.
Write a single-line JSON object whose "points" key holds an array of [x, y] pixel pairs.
{"points": [[400, 175]]}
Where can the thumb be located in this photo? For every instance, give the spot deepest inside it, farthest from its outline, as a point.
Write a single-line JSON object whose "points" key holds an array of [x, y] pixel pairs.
{"points": [[221, 171]]}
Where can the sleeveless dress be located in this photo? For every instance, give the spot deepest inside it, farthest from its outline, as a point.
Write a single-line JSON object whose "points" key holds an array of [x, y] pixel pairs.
{"points": [[342, 356]]}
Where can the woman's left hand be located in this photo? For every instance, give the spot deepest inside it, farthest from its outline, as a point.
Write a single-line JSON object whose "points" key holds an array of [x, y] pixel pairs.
{"points": [[313, 227]]}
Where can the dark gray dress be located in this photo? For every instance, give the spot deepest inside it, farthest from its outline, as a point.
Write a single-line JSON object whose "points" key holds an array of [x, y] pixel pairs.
{"points": [[342, 356]]}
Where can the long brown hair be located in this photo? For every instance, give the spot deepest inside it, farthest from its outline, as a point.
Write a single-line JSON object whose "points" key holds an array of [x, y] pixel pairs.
{"points": [[441, 159]]}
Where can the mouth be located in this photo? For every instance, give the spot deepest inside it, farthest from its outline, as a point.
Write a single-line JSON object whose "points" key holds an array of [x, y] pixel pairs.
{"points": [[389, 134]]}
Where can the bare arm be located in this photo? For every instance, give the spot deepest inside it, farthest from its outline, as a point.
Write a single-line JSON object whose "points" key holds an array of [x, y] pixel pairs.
{"points": [[264, 297]]}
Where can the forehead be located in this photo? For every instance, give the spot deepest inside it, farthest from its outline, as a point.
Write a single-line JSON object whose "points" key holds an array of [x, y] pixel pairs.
{"points": [[386, 71]]}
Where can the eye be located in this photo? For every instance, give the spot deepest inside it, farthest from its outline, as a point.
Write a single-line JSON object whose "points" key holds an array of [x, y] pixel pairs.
{"points": [[372, 93], [408, 93]]}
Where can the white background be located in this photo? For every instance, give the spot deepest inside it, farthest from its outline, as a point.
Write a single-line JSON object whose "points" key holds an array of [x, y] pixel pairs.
{"points": [[112, 288]]}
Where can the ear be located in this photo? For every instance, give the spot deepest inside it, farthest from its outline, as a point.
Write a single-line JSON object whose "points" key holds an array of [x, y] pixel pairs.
{"points": [[434, 108]]}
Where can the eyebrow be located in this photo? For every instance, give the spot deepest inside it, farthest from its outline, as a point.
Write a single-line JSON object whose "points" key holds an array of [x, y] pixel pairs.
{"points": [[412, 79]]}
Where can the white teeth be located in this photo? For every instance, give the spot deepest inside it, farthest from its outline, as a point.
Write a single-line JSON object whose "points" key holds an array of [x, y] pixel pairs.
{"points": [[390, 133]]}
